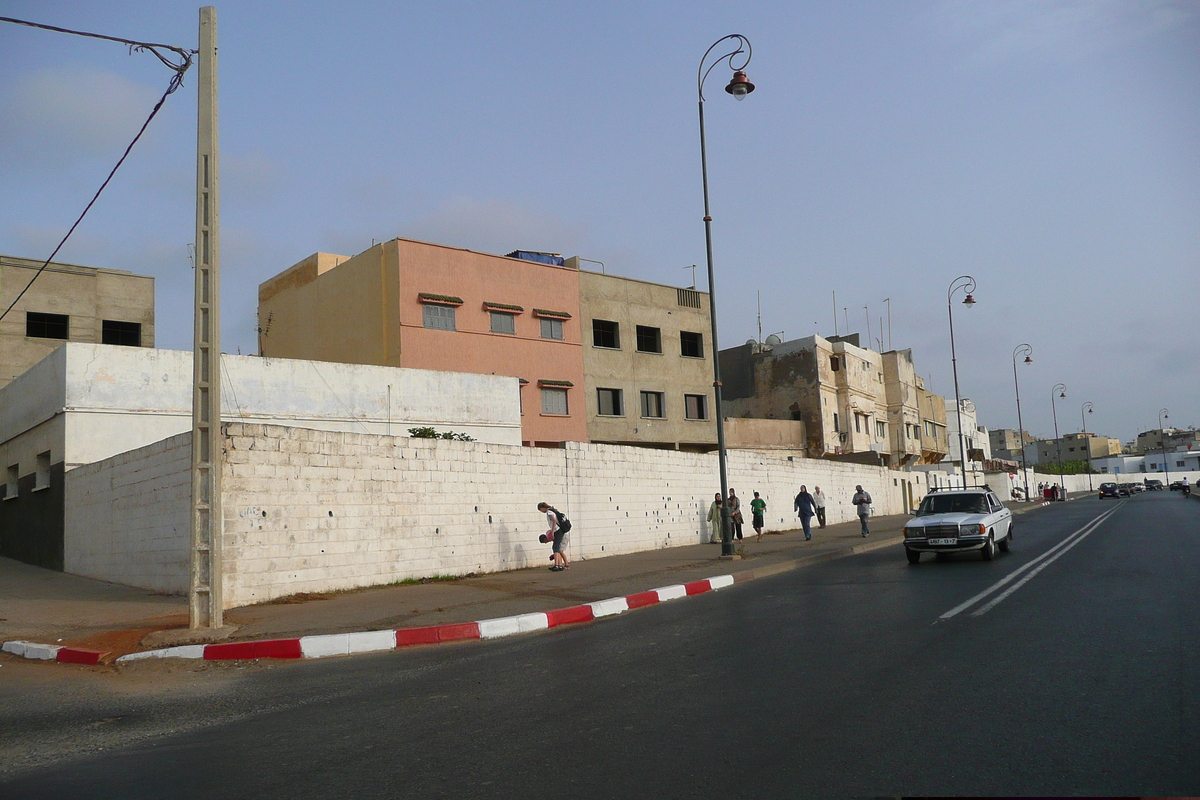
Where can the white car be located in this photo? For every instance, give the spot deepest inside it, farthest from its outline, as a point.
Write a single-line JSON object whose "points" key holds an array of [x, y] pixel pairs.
{"points": [[958, 520]]}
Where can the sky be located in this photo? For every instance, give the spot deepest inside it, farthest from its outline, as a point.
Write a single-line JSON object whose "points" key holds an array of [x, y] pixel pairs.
{"points": [[1050, 149]]}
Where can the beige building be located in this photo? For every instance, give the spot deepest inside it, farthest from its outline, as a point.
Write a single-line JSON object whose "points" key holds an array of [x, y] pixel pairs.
{"points": [[1075, 447], [647, 363], [851, 400], [72, 303]]}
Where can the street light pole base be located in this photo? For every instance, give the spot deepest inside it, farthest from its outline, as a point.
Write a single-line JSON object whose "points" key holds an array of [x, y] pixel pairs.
{"points": [[734, 557]]}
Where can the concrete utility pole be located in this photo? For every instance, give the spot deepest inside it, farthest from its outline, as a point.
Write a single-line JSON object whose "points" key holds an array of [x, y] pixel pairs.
{"points": [[204, 594]]}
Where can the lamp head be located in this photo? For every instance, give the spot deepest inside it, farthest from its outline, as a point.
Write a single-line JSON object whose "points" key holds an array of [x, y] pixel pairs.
{"points": [[1028, 359], [969, 300], [739, 86], [1062, 394]]}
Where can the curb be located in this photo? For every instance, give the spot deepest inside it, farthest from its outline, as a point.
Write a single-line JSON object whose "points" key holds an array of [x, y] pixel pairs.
{"points": [[341, 644]]}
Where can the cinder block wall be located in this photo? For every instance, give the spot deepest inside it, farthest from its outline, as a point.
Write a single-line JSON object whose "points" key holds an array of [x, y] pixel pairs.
{"points": [[127, 519], [309, 511]]}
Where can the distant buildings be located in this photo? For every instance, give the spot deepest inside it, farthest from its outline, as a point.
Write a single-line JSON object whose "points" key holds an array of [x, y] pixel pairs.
{"points": [[1006, 443], [855, 404], [1072, 447], [69, 303]]}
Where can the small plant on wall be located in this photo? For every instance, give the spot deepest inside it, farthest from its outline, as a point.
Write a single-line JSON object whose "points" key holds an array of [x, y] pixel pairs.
{"points": [[429, 433]]}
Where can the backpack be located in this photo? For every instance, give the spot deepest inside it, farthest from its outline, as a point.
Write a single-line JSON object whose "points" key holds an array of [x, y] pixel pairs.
{"points": [[564, 524]]}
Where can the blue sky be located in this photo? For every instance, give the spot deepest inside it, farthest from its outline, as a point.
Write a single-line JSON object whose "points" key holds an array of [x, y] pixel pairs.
{"points": [[1049, 148]]}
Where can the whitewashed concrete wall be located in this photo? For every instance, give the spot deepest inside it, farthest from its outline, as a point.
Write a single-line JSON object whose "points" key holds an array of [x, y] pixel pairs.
{"points": [[127, 519], [310, 511]]}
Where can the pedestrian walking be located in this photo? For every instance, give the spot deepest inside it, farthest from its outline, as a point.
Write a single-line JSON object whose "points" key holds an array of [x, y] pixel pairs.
{"points": [[735, 513], [558, 532], [819, 501], [714, 520], [862, 501], [757, 507], [806, 507]]}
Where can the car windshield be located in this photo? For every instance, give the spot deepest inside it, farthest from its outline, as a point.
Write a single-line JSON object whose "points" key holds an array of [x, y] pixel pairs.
{"points": [[953, 504]]}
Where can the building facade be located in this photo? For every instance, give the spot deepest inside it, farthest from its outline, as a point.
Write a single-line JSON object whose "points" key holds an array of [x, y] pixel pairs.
{"points": [[404, 303], [69, 303], [1072, 447], [1007, 443], [647, 363]]}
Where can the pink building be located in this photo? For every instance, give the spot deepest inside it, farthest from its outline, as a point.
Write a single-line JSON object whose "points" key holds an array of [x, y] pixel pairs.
{"points": [[404, 303]]}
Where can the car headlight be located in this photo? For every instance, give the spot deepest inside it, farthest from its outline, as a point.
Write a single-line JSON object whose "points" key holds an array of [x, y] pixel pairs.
{"points": [[972, 530], [914, 533]]}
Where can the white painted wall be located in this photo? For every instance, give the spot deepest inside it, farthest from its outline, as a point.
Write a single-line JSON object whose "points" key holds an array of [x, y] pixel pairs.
{"points": [[127, 519], [310, 511], [111, 399]]}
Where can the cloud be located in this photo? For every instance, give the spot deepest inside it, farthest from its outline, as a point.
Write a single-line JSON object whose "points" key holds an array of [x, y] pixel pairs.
{"points": [[58, 115], [1058, 29]]}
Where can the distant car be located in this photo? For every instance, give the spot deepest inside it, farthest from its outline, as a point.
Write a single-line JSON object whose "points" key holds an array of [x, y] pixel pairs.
{"points": [[1125, 489], [959, 520], [1153, 485], [1177, 486], [1109, 490], [1136, 488]]}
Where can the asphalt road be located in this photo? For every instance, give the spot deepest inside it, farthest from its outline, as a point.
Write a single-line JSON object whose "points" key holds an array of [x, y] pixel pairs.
{"points": [[860, 677]]}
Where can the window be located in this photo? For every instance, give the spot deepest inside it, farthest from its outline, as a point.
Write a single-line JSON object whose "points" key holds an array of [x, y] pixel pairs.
{"points": [[1179, 463], [42, 477], [554, 401], [652, 405], [47, 326], [857, 423], [123, 333], [649, 340], [439, 317], [691, 344], [552, 328], [836, 427], [608, 403], [880, 430], [695, 406], [606, 333], [502, 323], [834, 364], [10, 491]]}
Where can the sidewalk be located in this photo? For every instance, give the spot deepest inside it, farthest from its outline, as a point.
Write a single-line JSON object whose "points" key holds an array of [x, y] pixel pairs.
{"points": [[40, 605]]}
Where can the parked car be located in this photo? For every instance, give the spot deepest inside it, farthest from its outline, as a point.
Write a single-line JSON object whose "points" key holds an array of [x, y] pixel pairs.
{"points": [[1177, 486], [959, 520], [1109, 490], [1126, 489], [1153, 485]]}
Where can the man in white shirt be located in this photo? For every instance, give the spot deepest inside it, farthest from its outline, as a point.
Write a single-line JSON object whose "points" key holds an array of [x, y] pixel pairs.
{"points": [[862, 501], [819, 501]]}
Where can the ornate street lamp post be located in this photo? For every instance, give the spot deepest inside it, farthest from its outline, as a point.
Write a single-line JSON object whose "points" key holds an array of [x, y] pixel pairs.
{"points": [[739, 86], [1027, 351], [1060, 390], [967, 284], [1086, 442], [1162, 432]]}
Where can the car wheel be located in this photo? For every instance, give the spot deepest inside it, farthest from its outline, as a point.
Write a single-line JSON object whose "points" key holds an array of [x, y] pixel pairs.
{"points": [[1006, 542], [914, 556], [989, 550]]}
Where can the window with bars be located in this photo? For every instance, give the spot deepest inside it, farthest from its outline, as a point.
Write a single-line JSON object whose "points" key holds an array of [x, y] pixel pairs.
{"points": [[691, 344], [606, 333], [122, 333], [47, 326], [649, 340]]}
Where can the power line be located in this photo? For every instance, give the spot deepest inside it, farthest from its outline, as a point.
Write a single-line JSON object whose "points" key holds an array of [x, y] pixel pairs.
{"points": [[176, 82]]}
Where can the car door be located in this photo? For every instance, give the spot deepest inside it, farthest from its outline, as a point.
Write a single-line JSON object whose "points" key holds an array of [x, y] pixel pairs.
{"points": [[1002, 516]]}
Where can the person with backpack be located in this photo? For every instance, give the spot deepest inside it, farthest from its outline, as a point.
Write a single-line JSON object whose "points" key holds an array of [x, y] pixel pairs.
{"points": [[560, 526]]}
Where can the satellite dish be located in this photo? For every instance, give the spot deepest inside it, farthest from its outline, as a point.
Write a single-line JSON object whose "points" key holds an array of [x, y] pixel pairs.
{"points": [[751, 341], [774, 339]]}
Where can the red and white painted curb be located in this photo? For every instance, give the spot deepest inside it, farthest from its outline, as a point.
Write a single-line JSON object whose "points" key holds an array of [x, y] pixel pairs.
{"points": [[340, 644], [54, 652]]}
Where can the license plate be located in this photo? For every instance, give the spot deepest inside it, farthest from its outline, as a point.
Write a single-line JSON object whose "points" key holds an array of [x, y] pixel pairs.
{"points": [[943, 541]]}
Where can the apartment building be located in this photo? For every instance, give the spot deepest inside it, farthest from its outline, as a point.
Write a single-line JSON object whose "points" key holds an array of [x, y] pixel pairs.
{"points": [[647, 363], [855, 403], [404, 303], [69, 303]]}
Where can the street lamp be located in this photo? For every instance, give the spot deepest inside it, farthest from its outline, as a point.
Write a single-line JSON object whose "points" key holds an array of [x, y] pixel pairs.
{"points": [[1162, 434], [967, 284], [1086, 443], [739, 86], [1027, 351], [1059, 389]]}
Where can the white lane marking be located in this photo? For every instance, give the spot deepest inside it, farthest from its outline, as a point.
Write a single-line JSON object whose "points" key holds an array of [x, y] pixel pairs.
{"points": [[1059, 548]]}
